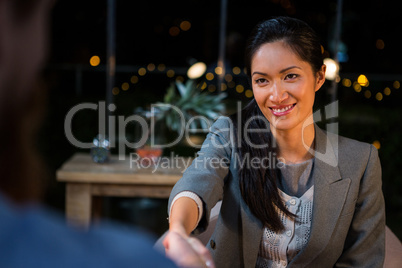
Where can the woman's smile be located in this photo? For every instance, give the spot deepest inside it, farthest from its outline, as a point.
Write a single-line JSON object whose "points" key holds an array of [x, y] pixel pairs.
{"points": [[281, 110]]}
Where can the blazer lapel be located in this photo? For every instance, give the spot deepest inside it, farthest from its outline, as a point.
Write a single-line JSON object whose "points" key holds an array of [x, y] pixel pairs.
{"points": [[330, 192]]}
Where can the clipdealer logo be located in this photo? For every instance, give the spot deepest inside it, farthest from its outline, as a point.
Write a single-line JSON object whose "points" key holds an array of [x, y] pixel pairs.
{"points": [[329, 113]]}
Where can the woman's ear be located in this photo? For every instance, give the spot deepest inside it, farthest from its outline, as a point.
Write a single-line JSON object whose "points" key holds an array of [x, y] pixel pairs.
{"points": [[320, 77]]}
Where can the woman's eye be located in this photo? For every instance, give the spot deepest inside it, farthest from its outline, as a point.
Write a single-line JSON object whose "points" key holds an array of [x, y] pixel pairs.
{"points": [[291, 76], [260, 81]]}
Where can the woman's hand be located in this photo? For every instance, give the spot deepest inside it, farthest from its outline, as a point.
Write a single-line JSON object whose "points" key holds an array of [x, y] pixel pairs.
{"points": [[187, 251]]}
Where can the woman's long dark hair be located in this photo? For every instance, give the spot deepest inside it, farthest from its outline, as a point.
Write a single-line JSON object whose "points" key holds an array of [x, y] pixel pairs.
{"points": [[259, 185]]}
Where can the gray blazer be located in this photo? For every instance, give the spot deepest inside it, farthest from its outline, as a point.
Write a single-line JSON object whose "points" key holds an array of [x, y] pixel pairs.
{"points": [[348, 220]]}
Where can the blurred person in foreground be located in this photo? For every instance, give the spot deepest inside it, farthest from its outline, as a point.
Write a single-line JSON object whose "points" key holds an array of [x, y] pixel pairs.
{"points": [[31, 236]]}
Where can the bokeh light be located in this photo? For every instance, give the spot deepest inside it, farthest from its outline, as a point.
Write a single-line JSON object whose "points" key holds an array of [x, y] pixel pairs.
{"points": [[161, 67], [125, 86], [134, 79], [249, 93], [236, 70], [379, 96], [170, 73], [346, 82], [377, 144], [362, 80], [151, 67], [174, 31], [332, 69], [379, 44], [115, 91], [218, 70], [228, 77], [231, 84], [209, 76], [387, 91], [94, 61], [357, 87], [196, 70], [239, 88], [142, 71], [185, 25]]}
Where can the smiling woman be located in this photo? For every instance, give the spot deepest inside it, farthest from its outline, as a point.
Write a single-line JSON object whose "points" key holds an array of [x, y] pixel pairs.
{"points": [[284, 85], [320, 205]]}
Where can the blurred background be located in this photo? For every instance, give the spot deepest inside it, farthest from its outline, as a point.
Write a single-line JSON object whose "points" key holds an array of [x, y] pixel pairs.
{"points": [[157, 41]]}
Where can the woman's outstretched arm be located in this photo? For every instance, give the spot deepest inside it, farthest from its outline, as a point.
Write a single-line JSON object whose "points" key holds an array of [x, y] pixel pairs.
{"points": [[180, 247]]}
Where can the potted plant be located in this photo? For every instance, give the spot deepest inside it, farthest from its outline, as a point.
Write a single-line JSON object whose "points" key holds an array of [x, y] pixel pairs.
{"points": [[183, 104]]}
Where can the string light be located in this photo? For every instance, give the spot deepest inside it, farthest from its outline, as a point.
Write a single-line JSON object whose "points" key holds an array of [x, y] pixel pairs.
{"points": [[170, 73], [236, 70], [346, 82], [180, 78], [211, 88], [357, 87], [249, 93], [380, 44], [125, 86], [377, 144], [174, 31], [94, 61], [332, 69], [196, 70], [239, 88], [115, 91], [161, 67], [362, 80], [209, 76], [151, 67], [185, 25], [142, 71], [228, 77], [218, 70], [134, 79], [379, 96]]}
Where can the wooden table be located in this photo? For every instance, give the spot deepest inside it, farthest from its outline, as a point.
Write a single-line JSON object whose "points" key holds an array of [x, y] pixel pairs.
{"points": [[86, 180]]}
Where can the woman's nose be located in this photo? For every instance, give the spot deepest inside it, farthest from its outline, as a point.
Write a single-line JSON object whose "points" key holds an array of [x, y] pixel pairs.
{"points": [[278, 94]]}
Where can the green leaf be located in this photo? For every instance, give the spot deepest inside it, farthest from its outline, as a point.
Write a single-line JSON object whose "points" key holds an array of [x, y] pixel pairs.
{"points": [[182, 89], [204, 124], [170, 94]]}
